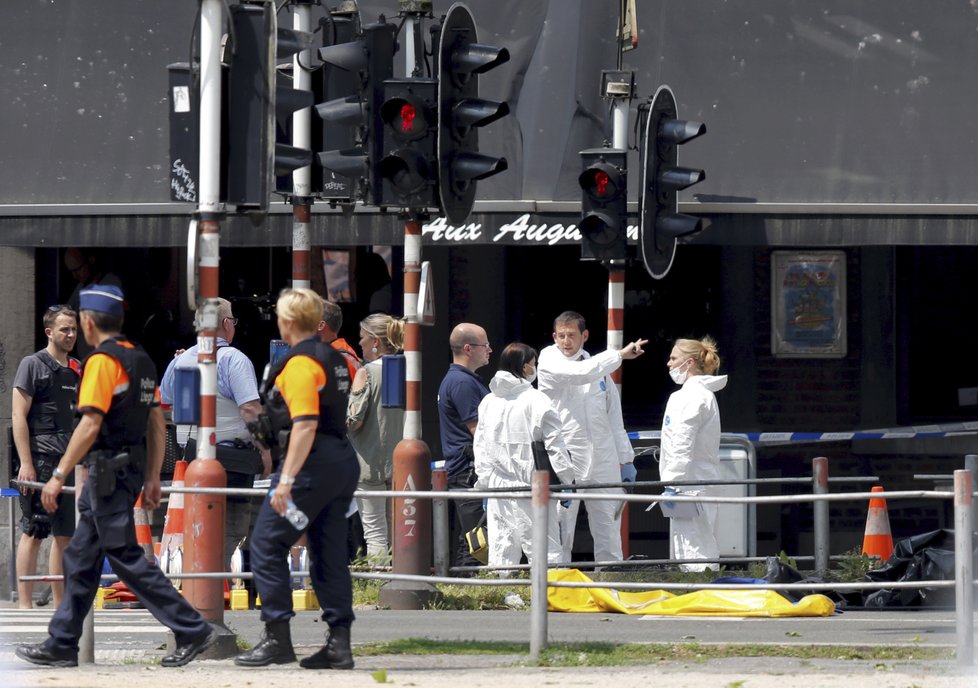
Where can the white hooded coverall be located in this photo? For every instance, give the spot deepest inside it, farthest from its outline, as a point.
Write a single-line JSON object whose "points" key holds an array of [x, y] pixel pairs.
{"points": [[589, 404], [691, 451], [511, 417]]}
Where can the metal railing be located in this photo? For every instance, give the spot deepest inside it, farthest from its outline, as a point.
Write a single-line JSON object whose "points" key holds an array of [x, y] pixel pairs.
{"points": [[541, 495]]}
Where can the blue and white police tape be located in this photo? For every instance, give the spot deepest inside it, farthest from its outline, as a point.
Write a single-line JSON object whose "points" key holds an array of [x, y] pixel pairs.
{"points": [[909, 432]]}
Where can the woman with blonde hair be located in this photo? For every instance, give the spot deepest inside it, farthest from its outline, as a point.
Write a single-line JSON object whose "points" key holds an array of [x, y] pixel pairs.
{"points": [[375, 430], [305, 397], [691, 445]]}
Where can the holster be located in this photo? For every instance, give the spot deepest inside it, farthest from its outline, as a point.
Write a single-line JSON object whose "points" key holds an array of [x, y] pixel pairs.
{"points": [[109, 468]]}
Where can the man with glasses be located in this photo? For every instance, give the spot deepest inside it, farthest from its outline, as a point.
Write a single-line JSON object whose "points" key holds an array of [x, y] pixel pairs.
{"points": [[42, 417], [237, 404], [459, 395]]}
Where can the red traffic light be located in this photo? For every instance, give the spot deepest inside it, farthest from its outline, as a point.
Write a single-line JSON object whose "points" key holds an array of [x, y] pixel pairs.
{"points": [[601, 181], [408, 113], [407, 116]]}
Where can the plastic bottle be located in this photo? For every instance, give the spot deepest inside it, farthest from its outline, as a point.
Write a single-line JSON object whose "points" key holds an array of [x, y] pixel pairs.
{"points": [[296, 516]]}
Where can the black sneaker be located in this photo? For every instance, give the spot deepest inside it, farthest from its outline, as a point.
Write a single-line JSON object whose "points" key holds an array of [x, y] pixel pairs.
{"points": [[47, 656], [186, 652]]}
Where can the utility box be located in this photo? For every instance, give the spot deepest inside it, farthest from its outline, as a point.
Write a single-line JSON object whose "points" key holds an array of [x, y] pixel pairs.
{"points": [[736, 523], [393, 383], [736, 528], [186, 396]]}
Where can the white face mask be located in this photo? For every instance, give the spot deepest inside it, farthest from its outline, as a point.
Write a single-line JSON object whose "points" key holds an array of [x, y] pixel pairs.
{"points": [[679, 375], [531, 377]]}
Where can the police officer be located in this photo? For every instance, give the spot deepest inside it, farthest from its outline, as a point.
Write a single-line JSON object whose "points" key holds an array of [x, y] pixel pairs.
{"points": [[41, 418], [121, 436], [305, 399]]}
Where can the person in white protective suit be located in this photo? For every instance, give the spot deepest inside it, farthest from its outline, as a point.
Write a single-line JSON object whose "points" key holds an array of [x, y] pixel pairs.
{"points": [[511, 418], [581, 390], [690, 445]]}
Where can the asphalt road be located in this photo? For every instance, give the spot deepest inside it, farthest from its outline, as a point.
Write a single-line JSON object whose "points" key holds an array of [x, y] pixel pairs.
{"points": [[127, 642]]}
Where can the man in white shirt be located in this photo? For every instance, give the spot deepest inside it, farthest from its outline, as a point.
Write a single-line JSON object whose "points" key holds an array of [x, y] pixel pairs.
{"points": [[237, 404], [581, 389]]}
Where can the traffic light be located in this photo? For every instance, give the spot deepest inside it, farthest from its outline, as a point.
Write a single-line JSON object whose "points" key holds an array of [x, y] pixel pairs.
{"points": [[409, 166], [461, 112], [354, 75], [661, 223], [604, 208], [254, 100]]}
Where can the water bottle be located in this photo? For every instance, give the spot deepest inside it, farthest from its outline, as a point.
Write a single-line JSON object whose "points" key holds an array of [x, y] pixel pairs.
{"points": [[296, 516]]}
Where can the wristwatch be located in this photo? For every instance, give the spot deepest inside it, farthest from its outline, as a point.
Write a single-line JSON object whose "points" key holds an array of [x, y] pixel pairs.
{"points": [[286, 479], [56, 473]]}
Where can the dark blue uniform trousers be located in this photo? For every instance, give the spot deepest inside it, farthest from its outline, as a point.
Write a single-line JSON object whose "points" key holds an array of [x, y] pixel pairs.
{"points": [[105, 530], [323, 490]]}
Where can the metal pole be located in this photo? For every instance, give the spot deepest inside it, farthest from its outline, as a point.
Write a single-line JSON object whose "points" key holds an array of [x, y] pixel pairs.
{"points": [[439, 523], [971, 464], [538, 564], [12, 532], [86, 644], [616, 336], [820, 485], [205, 514], [302, 138], [964, 602], [616, 278], [412, 457]]}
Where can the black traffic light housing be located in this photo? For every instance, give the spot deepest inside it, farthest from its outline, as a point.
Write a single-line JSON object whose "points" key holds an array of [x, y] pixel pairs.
{"points": [[358, 69], [604, 204], [409, 166], [333, 82], [461, 112], [255, 98], [660, 222]]}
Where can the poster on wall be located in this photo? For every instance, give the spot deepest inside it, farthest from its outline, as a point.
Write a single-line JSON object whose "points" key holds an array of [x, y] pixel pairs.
{"points": [[808, 296]]}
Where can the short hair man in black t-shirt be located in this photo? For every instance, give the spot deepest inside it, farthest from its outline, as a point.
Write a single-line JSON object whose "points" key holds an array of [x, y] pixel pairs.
{"points": [[44, 393]]}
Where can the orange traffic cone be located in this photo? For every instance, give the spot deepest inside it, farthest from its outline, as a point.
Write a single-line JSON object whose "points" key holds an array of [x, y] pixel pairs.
{"points": [[171, 544], [878, 542], [144, 535]]}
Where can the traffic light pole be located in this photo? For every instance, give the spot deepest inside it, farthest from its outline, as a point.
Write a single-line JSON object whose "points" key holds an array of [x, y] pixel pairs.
{"points": [[412, 544], [302, 138], [205, 513], [616, 279]]}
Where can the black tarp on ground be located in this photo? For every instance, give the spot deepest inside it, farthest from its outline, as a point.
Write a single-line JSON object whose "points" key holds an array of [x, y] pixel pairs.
{"points": [[924, 557]]}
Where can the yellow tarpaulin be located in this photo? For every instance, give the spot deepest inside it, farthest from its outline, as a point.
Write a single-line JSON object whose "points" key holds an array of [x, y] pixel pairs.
{"points": [[739, 602]]}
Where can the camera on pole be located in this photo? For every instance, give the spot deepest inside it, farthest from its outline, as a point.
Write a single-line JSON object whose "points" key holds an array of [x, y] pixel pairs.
{"points": [[660, 223]]}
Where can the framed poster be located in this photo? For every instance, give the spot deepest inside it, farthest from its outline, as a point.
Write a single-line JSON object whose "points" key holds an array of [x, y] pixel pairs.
{"points": [[808, 303]]}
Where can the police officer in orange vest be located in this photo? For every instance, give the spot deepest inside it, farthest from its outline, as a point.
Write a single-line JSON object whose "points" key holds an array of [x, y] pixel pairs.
{"points": [[120, 436], [305, 398]]}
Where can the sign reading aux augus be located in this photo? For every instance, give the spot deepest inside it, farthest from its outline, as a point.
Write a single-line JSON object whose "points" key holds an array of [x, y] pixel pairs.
{"points": [[519, 231]]}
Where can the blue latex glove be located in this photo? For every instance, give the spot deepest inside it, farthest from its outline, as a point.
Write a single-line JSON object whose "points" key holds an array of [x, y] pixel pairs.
{"points": [[565, 503], [628, 472]]}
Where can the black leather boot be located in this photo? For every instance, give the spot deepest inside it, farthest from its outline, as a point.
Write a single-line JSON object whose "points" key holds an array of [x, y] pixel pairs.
{"points": [[275, 647], [335, 654]]}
